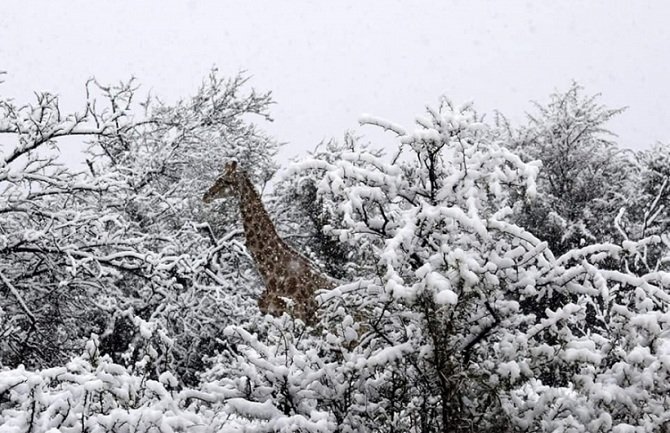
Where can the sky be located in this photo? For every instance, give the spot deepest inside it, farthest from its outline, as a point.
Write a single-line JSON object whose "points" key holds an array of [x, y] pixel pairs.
{"points": [[327, 63]]}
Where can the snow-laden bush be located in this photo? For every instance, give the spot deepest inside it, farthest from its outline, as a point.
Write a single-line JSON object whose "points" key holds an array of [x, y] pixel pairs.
{"points": [[435, 222], [93, 394]]}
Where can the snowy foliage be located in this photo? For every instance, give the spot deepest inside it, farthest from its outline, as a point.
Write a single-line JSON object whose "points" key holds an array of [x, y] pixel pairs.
{"points": [[303, 215], [63, 250], [470, 301], [586, 178], [90, 393], [491, 278], [97, 250]]}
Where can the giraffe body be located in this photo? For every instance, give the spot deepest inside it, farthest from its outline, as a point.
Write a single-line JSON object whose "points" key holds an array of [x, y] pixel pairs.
{"points": [[287, 274]]}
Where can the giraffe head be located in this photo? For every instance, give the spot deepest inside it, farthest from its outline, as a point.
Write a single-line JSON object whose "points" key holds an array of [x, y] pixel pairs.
{"points": [[225, 186]]}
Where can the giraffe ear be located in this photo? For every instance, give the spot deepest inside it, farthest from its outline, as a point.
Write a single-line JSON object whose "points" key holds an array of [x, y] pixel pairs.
{"points": [[231, 166]]}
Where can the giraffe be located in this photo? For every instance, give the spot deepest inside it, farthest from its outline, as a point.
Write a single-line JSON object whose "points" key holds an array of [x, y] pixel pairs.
{"points": [[285, 273]]}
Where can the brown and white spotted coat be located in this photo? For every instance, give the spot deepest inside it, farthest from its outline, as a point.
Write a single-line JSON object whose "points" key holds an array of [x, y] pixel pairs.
{"points": [[285, 272]]}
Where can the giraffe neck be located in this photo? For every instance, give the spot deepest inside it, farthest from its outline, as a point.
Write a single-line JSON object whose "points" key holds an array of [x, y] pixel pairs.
{"points": [[261, 236]]}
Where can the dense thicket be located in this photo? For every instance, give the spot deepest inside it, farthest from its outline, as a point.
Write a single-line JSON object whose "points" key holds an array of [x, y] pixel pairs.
{"points": [[492, 277]]}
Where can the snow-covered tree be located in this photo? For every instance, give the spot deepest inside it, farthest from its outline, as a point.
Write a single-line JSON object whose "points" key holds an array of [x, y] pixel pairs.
{"points": [[63, 250], [174, 153], [125, 240], [648, 213], [585, 178]]}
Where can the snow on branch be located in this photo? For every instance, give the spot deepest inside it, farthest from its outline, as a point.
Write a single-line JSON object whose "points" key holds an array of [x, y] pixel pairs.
{"points": [[366, 119]]}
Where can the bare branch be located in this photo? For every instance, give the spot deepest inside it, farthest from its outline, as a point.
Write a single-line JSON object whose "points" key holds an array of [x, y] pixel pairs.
{"points": [[18, 297]]}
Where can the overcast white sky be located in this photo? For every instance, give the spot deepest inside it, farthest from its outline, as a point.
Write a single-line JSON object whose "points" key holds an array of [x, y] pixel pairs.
{"points": [[328, 62]]}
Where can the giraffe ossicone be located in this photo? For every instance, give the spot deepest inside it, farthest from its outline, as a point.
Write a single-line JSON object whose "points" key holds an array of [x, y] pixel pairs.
{"points": [[285, 272]]}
